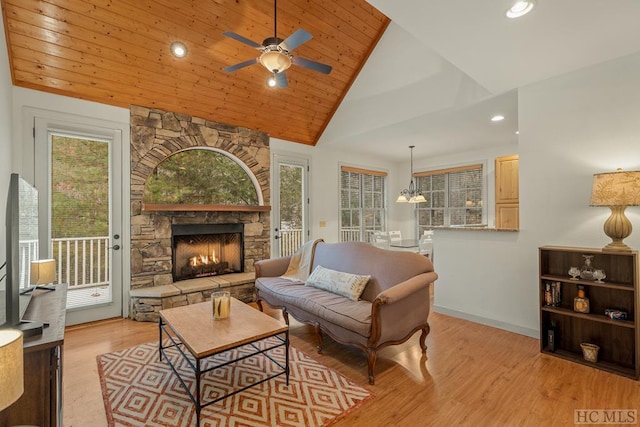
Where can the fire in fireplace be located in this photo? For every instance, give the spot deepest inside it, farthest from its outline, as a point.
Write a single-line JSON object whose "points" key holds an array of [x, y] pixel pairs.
{"points": [[201, 250]]}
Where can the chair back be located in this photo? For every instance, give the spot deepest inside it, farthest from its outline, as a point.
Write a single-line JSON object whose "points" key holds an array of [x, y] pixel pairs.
{"points": [[380, 239], [395, 236], [425, 244]]}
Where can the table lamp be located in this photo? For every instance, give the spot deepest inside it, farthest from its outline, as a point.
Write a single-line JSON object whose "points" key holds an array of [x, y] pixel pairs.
{"points": [[617, 190], [11, 367], [43, 274]]}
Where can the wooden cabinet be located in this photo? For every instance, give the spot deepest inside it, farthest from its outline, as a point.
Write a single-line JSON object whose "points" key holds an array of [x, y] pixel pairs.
{"points": [[508, 215], [618, 339], [41, 403], [507, 192]]}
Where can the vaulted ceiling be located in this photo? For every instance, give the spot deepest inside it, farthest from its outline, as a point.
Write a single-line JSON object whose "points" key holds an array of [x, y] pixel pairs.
{"points": [[433, 80], [117, 52]]}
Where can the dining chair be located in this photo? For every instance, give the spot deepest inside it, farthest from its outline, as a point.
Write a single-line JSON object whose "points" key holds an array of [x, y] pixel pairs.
{"points": [[380, 239], [395, 236], [425, 244]]}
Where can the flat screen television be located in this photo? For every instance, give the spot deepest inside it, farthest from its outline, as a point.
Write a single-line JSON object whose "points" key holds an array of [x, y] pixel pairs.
{"points": [[22, 247]]}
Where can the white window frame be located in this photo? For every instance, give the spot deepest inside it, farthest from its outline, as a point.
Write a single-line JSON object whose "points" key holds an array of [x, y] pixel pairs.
{"points": [[362, 232], [447, 209]]}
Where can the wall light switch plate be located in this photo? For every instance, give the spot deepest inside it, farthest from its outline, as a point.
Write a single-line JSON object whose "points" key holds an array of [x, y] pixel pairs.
{"points": [[323, 223]]}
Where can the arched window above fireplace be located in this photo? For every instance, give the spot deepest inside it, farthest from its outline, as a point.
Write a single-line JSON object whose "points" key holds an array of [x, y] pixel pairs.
{"points": [[201, 179]]}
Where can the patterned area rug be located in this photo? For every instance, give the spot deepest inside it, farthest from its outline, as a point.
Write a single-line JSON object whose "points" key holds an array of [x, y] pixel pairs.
{"points": [[138, 390]]}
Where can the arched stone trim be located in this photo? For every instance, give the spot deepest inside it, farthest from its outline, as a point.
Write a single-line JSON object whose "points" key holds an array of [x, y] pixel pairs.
{"points": [[177, 145]]}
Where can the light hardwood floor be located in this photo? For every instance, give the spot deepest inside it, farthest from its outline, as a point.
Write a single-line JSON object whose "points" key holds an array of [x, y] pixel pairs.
{"points": [[474, 375]]}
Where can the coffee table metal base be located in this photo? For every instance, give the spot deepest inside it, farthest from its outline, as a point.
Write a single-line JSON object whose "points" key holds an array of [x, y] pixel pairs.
{"points": [[164, 328]]}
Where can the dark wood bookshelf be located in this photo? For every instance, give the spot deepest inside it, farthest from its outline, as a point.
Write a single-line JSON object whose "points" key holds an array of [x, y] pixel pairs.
{"points": [[618, 340]]}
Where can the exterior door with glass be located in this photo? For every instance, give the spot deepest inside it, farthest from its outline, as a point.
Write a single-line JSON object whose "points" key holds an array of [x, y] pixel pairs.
{"points": [[290, 204], [81, 214]]}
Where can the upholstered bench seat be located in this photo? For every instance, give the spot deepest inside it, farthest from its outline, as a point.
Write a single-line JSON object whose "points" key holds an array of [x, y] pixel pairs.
{"points": [[313, 305]]}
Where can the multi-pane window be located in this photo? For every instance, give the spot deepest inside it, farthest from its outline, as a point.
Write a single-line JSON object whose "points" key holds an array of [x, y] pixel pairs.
{"points": [[454, 197], [362, 203]]}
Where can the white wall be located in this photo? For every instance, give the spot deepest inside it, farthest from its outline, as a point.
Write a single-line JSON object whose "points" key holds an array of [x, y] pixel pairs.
{"points": [[5, 140], [324, 183], [24, 99], [571, 127]]}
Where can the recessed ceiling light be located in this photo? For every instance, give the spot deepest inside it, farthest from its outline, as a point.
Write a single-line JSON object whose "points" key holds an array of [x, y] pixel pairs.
{"points": [[178, 49], [520, 8], [517, 132], [497, 118]]}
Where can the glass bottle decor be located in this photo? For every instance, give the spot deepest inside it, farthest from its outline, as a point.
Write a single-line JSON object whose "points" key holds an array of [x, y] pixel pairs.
{"points": [[581, 303], [587, 269]]}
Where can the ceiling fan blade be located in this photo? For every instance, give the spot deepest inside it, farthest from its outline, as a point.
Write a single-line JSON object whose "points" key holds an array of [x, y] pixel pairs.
{"points": [[281, 79], [241, 65], [242, 39], [296, 39], [312, 65]]}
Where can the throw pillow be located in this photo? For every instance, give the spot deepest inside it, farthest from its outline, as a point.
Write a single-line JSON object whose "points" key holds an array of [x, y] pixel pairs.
{"points": [[337, 282]]}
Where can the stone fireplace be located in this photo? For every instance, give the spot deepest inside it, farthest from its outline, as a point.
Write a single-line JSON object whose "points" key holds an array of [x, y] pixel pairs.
{"points": [[203, 250], [156, 135]]}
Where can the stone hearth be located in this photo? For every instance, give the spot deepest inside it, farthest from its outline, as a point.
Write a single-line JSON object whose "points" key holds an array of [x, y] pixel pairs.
{"points": [[156, 135]]}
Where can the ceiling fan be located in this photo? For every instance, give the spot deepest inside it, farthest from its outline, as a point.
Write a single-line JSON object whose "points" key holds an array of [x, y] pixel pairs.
{"points": [[276, 53]]}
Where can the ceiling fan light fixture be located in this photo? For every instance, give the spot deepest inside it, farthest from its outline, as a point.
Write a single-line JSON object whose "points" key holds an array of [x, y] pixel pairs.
{"points": [[520, 8], [271, 81], [178, 49], [275, 61]]}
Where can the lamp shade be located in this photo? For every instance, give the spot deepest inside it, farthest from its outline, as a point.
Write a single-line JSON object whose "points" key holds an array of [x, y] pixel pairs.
{"points": [[43, 272], [11, 367], [620, 188]]}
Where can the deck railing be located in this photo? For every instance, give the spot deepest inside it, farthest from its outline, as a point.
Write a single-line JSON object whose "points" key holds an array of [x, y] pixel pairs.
{"points": [[28, 253], [290, 240], [354, 235], [81, 262]]}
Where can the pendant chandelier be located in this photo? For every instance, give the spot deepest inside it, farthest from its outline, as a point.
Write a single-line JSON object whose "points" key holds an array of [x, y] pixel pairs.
{"points": [[413, 194]]}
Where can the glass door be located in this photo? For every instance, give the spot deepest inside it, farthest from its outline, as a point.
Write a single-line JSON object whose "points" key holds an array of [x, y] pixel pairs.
{"points": [[290, 205], [83, 207]]}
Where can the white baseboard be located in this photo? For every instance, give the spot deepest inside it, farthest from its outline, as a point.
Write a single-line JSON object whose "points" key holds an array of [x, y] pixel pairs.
{"points": [[533, 333]]}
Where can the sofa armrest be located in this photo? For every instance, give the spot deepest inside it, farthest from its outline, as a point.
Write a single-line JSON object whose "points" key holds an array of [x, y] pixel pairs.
{"points": [[401, 309], [273, 267], [407, 288]]}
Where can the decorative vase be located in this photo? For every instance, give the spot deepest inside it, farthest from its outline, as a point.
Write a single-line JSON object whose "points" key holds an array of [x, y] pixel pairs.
{"points": [[221, 305], [598, 275], [587, 269], [574, 272]]}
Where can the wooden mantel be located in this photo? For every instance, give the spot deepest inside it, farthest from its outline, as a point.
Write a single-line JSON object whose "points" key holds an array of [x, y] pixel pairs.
{"points": [[167, 207]]}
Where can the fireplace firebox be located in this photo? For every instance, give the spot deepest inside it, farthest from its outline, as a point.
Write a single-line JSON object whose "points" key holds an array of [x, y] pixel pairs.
{"points": [[201, 250]]}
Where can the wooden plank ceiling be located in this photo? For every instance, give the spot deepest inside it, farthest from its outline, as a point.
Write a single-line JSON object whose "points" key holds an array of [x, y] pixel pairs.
{"points": [[117, 52]]}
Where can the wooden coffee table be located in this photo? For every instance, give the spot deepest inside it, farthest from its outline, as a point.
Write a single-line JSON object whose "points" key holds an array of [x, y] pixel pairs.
{"points": [[192, 328]]}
